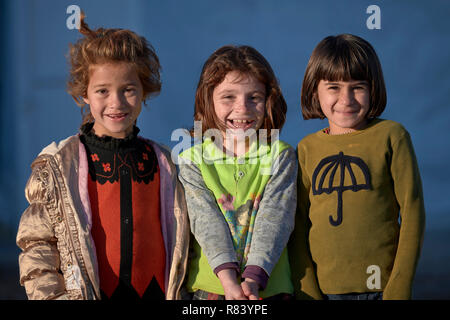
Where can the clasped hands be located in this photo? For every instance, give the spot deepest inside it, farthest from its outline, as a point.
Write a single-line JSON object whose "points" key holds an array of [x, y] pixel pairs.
{"points": [[247, 290]]}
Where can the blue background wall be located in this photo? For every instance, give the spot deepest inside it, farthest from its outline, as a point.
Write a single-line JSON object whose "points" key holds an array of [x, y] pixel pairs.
{"points": [[413, 45]]}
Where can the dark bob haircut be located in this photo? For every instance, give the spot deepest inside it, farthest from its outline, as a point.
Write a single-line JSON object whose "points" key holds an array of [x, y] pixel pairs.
{"points": [[343, 57]]}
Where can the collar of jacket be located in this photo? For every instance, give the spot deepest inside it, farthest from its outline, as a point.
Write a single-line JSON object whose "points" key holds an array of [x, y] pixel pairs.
{"points": [[211, 152]]}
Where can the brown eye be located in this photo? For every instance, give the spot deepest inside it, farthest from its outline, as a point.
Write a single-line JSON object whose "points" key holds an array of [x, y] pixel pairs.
{"points": [[130, 91], [256, 98]]}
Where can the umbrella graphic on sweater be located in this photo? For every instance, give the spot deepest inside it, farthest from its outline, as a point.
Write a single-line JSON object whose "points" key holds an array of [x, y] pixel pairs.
{"points": [[340, 164]]}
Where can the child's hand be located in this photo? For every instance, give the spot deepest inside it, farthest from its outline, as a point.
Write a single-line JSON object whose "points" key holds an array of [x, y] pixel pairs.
{"points": [[231, 287], [234, 292], [250, 288]]}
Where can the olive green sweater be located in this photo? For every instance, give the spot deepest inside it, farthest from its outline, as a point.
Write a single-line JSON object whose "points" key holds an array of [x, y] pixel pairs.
{"points": [[348, 236]]}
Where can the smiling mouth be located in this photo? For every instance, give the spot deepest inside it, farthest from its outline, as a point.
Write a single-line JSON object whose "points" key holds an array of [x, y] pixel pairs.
{"points": [[240, 123], [117, 116], [348, 112]]}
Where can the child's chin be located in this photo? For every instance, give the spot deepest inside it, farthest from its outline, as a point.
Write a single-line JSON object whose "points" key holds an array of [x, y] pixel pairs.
{"points": [[247, 131], [120, 132]]}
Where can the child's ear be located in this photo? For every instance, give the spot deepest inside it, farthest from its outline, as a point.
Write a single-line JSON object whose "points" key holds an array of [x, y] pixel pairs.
{"points": [[86, 100]]}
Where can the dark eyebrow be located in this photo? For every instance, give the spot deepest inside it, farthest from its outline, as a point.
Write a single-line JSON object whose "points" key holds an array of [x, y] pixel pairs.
{"points": [[356, 83], [364, 82]]}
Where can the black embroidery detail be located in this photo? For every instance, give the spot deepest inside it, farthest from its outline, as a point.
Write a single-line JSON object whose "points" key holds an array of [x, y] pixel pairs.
{"points": [[343, 163], [108, 158]]}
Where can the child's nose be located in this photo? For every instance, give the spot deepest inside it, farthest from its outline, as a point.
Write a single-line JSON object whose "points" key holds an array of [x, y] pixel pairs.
{"points": [[346, 96], [242, 104], [115, 100]]}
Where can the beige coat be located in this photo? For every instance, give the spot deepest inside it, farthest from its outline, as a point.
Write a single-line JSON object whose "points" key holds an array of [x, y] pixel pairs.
{"points": [[59, 258]]}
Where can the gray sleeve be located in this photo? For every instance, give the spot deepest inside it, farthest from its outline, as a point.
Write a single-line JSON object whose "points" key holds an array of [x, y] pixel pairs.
{"points": [[275, 218], [207, 221]]}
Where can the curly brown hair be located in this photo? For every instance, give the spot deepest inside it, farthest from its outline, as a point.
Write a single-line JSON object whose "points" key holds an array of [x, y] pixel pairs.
{"points": [[106, 46], [245, 60]]}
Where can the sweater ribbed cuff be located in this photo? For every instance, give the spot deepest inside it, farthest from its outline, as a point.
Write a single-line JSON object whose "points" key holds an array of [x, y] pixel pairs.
{"points": [[227, 265], [258, 274]]}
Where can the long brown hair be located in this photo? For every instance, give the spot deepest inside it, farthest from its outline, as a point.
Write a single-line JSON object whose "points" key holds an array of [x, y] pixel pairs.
{"points": [[247, 61]]}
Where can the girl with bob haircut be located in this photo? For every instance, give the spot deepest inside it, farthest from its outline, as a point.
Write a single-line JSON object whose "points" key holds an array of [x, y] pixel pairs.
{"points": [[356, 179], [343, 58], [107, 217], [241, 214]]}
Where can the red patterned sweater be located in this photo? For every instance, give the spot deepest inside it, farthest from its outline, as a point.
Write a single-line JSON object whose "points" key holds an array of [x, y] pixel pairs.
{"points": [[124, 191]]}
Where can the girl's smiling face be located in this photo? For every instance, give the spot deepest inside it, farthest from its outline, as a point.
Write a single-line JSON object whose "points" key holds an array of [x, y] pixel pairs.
{"points": [[345, 104], [239, 102], [114, 95]]}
